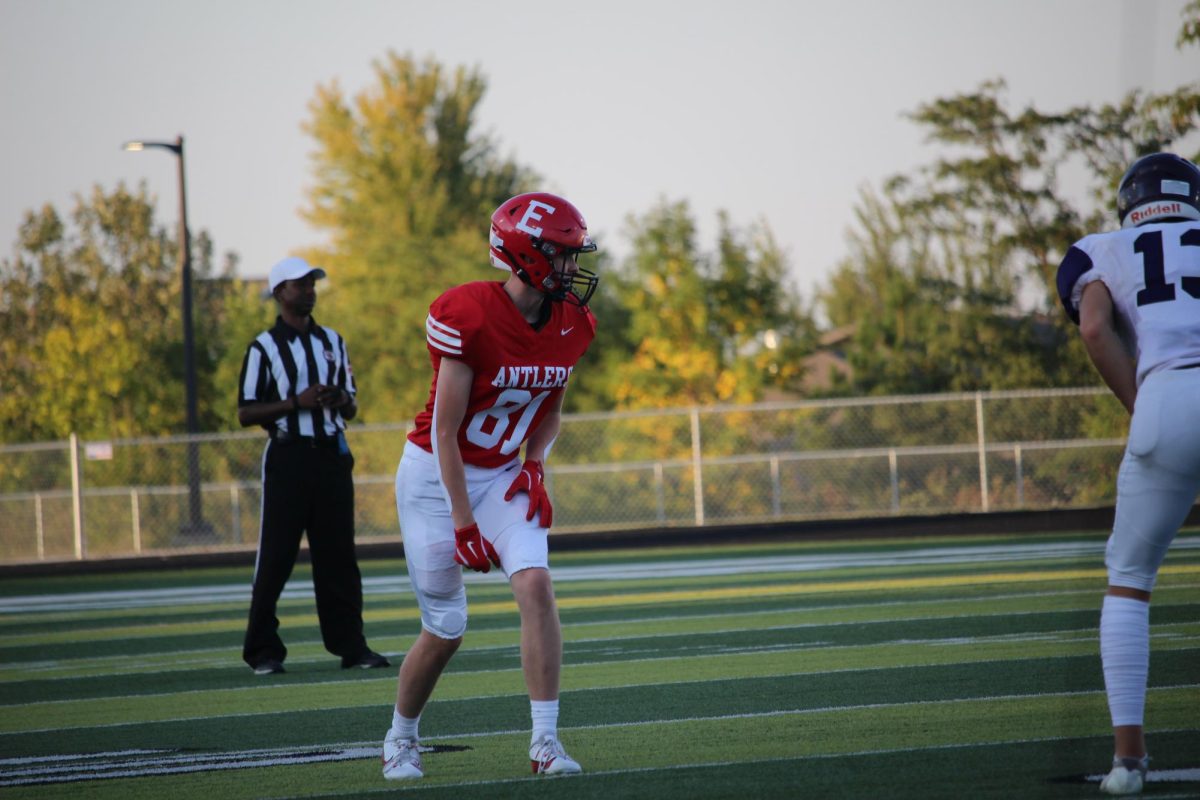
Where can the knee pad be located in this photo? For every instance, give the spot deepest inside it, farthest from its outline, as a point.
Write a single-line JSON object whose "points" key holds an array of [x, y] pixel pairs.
{"points": [[442, 598], [444, 615]]}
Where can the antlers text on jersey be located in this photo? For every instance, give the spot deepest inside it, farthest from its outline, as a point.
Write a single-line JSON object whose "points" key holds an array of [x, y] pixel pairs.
{"points": [[532, 377], [519, 371]]}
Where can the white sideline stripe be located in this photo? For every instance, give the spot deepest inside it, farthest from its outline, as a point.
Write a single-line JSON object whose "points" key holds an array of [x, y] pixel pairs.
{"points": [[174, 765], [1161, 632], [170, 657], [44, 759], [798, 711], [821, 710], [1187, 774], [179, 764], [928, 601], [626, 571], [1069, 635], [1168, 775]]}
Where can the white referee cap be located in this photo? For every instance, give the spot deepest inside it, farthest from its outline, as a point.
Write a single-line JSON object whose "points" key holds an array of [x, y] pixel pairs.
{"points": [[290, 269]]}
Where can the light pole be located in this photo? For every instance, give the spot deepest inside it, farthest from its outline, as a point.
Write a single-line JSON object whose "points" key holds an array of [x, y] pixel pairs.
{"points": [[196, 524]]}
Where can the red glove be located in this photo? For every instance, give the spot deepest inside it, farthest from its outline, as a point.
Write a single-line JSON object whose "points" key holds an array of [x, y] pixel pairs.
{"points": [[472, 550], [530, 481]]}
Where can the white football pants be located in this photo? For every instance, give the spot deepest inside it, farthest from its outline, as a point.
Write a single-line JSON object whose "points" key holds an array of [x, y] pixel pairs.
{"points": [[428, 534], [1159, 477]]}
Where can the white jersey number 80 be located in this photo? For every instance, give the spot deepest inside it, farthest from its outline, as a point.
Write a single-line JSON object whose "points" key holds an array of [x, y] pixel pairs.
{"points": [[490, 426]]}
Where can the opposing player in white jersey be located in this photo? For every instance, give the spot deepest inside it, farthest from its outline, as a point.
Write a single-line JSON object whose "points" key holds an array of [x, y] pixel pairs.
{"points": [[1135, 294], [502, 355]]}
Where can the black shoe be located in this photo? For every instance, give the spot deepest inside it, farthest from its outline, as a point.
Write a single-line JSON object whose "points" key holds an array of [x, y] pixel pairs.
{"points": [[368, 659], [269, 666]]}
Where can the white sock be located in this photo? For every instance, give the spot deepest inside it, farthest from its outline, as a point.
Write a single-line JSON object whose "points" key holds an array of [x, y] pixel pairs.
{"points": [[403, 727], [1125, 653], [545, 718]]}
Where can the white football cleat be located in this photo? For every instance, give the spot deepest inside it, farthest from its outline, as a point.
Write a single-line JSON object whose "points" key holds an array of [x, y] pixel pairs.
{"points": [[401, 759], [1128, 775], [547, 757]]}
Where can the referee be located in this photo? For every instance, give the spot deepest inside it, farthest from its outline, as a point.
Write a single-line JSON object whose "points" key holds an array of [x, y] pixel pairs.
{"points": [[296, 382]]}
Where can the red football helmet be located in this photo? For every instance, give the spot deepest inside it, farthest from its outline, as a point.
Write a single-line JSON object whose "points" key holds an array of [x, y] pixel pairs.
{"points": [[529, 230]]}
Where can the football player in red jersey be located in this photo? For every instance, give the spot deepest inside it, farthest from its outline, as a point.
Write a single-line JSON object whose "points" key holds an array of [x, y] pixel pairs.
{"points": [[502, 355]]}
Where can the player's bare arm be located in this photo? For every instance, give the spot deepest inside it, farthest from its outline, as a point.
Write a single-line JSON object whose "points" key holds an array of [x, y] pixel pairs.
{"points": [[540, 440], [453, 391], [1097, 325]]}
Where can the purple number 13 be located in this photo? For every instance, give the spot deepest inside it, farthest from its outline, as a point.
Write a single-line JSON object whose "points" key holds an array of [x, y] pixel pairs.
{"points": [[1157, 290]]}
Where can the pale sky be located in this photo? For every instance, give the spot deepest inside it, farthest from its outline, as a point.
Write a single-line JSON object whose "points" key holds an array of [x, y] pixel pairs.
{"points": [[775, 111]]}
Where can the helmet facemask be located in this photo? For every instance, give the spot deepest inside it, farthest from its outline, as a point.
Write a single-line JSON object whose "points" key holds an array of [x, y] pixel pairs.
{"points": [[575, 287], [530, 232]]}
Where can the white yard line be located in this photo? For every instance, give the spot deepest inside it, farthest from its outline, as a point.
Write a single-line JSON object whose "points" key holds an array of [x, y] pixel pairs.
{"points": [[178, 660], [135, 763], [925, 556]]}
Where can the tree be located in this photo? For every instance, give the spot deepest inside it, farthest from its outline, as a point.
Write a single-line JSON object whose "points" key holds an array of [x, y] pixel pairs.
{"points": [[1189, 31], [90, 330], [593, 382], [928, 317], [703, 328], [955, 265], [241, 311], [405, 186], [756, 313]]}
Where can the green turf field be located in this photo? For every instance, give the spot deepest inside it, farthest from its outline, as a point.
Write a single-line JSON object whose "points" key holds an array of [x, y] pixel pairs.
{"points": [[922, 668]]}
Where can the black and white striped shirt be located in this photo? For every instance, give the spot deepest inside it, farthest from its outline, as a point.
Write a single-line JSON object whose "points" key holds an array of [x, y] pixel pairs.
{"points": [[282, 362]]}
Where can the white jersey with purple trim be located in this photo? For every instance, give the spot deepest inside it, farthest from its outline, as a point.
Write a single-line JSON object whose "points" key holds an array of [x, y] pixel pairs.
{"points": [[1153, 275]]}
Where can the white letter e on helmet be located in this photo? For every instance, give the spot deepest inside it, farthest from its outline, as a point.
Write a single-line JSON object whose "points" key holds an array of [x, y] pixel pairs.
{"points": [[531, 214]]}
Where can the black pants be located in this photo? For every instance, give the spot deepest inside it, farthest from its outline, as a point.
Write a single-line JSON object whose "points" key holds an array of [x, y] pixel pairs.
{"points": [[311, 489]]}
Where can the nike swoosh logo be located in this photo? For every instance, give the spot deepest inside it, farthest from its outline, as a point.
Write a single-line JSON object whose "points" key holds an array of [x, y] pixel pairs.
{"points": [[565, 331]]}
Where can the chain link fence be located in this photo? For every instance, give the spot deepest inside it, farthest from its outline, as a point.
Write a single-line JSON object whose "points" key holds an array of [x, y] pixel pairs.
{"points": [[865, 457]]}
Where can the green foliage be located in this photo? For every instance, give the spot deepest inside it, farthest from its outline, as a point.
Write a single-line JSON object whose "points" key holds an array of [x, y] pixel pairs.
{"points": [[593, 383], [951, 279], [245, 311], [405, 186], [1189, 31], [91, 333], [703, 328], [927, 315]]}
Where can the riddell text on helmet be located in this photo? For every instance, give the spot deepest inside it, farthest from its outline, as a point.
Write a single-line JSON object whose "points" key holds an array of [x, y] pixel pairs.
{"points": [[1156, 210], [532, 377]]}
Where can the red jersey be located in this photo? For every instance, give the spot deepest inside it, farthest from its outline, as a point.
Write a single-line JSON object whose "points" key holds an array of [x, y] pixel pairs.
{"points": [[519, 371]]}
